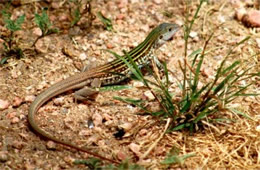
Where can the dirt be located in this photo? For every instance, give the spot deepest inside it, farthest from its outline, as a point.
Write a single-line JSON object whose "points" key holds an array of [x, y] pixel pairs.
{"points": [[231, 145]]}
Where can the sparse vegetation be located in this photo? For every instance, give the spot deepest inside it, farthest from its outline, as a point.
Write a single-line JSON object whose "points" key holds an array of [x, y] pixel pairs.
{"points": [[11, 43], [76, 14], [202, 100], [107, 22], [44, 23]]}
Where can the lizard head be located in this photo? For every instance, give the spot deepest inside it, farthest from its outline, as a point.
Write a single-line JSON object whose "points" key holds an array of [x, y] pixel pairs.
{"points": [[164, 32]]}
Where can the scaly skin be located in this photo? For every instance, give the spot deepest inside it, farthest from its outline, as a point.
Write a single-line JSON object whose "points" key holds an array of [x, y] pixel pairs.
{"points": [[142, 54]]}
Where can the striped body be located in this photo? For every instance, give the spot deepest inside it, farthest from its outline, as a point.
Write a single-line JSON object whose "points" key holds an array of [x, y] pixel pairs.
{"points": [[141, 55]]}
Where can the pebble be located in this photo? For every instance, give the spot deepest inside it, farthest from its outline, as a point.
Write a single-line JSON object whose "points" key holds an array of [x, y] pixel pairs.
{"points": [[97, 119], [17, 101], [63, 17], [240, 13], [3, 156], [258, 128], [51, 145], [56, 5], [138, 84], [254, 18], [126, 126], [30, 98], [11, 115], [193, 34], [58, 101], [37, 31], [18, 144], [82, 56], [143, 132], [84, 133], [4, 104], [157, 1], [149, 95], [218, 57], [258, 42], [121, 155], [109, 45], [120, 16], [135, 148], [15, 120], [221, 18]]}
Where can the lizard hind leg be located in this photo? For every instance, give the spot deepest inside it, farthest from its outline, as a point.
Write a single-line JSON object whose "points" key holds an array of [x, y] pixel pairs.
{"points": [[88, 92]]}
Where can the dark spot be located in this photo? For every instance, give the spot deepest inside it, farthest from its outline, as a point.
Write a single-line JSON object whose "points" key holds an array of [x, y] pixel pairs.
{"points": [[170, 29], [161, 37], [119, 134]]}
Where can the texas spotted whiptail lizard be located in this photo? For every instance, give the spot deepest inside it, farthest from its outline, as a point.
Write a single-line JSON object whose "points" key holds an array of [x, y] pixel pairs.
{"points": [[142, 55]]}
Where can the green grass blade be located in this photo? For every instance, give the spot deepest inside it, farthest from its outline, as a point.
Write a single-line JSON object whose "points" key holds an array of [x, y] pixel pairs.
{"points": [[239, 113], [233, 65], [115, 88]]}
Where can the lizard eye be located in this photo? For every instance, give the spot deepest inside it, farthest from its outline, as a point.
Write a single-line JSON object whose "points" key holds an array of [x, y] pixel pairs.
{"points": [[170, 29], [161, 37]]}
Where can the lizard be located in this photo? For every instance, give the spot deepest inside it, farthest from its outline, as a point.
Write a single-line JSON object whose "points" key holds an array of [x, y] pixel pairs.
{"points": [[101, 76]]}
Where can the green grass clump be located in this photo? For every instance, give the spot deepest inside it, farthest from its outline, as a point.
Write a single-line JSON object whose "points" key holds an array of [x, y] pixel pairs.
{"points": [[201, 101], [198, 103], [44, 23], [11, 44], [106, 21], [76, 14], [96, 164]]}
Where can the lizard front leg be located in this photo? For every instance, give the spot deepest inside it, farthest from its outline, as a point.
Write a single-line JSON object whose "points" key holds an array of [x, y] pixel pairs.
{"points": [[88, 92]]}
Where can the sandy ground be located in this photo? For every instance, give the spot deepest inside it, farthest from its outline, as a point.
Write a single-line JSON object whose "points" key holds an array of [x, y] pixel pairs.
{"points": [[229, 145]]}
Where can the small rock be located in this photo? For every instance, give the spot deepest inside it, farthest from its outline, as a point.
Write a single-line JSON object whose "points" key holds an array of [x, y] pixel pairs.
{"points": [[82, 56], [138, 84], [59, 101], [11, 115], [75, 31], [18, 144], [143, 132], [97, 119], [4, 104], [17, 101], [84, 133], [121, 155], [149, 95], [249, 2], [221, 18], [126, 126], [63, 17], [134, 1], [93, 139], [157, 1], [3, 156], [51, 145], [135, 148], [193, 34], [258, 42], [56, 5], [120, 16], [240, 13], [109, 46], [122, 4], [218, 57], [180, 43], [37, 31], [15, 120], [30, 98], [254, 18], [237, 3], [221, 38], [258, 128]]}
